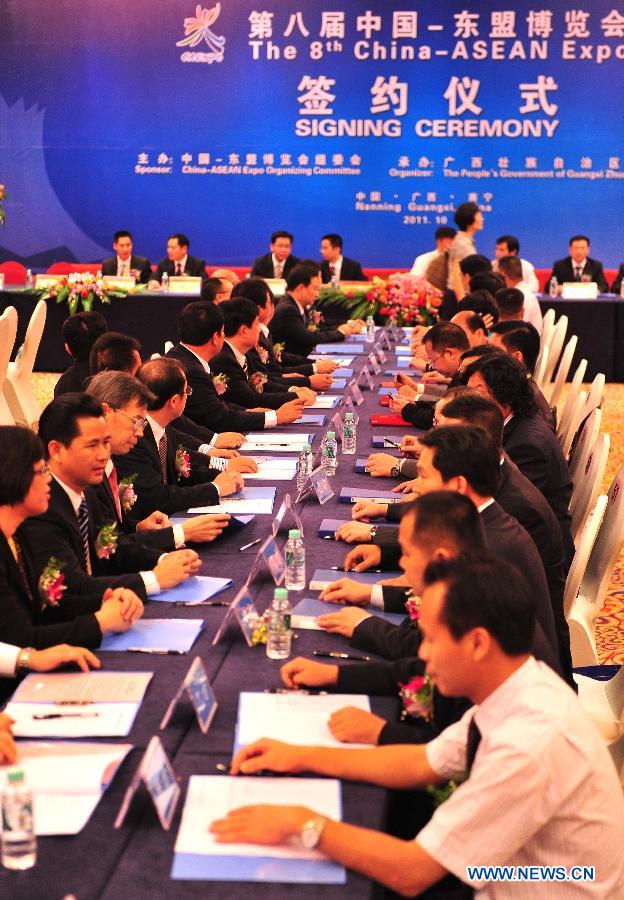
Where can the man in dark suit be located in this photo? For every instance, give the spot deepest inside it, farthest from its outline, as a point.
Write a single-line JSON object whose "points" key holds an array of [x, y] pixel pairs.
{"points": [[80, 332], [616, 287], [522, 341], [125, 262], [280, 261], [200, 327], [292, 324], [336, 267], [578, 266], [169, 476], [178, 261]]}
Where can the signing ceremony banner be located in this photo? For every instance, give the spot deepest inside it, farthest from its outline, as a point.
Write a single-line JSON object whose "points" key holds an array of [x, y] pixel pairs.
{"points": [[228, 120]]}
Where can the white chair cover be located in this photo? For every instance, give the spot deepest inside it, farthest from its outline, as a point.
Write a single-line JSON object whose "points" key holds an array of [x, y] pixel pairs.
{"points": [[573, 392], [553, 390], [588, 487], [18, 386], [8, 330]]}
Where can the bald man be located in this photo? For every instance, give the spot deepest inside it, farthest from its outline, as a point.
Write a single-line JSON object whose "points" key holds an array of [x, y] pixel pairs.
{"points": [[472, 324], [226, 275]]}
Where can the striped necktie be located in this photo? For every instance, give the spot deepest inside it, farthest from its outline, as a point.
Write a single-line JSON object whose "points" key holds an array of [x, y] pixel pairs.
{"points": [[83, 526], [162, 453]]}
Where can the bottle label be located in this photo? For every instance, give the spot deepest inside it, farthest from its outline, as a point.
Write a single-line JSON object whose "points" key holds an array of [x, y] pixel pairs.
{"points": [[329, 452], [347, 431], [290, 557], [17, 816], [287, 625]]}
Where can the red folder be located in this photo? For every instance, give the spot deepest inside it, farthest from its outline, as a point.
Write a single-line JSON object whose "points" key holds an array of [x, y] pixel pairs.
{"points": [[388, 420]]}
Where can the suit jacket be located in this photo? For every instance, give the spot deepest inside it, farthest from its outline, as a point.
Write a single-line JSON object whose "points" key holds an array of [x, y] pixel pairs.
{"points": [[239, 388], [263, 266], [617, 284], [288, 327], [546, 412], [533, 447], [563, 270], [421, 413], [179, 493], [205, 407], [194, 267], [56, 533], [276, 370], [161, 539], [195, 434], [351, 270], [140, 263], [74, 378]]}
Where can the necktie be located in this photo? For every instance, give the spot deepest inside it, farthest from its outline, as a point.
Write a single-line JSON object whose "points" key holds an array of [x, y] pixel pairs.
{"points": [[19, 559], [123, 268], [278, 268], [577, 273], [332, 270], [246, 368], [83, 526], [472, 744], [114, 486], [162, 452], [178, 269]]}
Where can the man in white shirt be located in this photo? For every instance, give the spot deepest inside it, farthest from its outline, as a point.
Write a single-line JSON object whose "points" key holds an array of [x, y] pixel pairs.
{"points": [[540, 788], [508, 245], [443, 238], [510, 267]]}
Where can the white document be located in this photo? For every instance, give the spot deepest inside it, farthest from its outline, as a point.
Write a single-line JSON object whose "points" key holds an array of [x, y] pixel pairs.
{"points": [[259, 507], [342, 362], [274, 469], [325, 402], [209, 798], [295, 718], [72, 721], [279, 442], [83, 687], [67, 780], [306, 623]]}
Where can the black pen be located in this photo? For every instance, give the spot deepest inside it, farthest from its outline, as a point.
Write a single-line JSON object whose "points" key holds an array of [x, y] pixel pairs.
{"points": [[41, 716], [202, 603], [342, 569], [335, 654], [251, 544], [392, 443], [156, 651]]}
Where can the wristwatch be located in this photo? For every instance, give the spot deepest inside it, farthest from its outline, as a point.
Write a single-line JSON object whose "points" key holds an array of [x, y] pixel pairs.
{"points": [[372, 532], [395, 471], [23, 658], [312, 831]]}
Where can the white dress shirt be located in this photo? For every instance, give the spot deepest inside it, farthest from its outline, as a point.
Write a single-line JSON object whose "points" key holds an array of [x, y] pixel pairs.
{"points": [[528, 274], [337, 267], [422, 263], [532, 311], [8, 660], [543, 791]]}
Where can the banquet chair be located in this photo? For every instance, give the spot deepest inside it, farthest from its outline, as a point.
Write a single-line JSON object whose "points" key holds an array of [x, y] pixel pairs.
{"points": [[595, 395], [548, 324], [14, 272], [574, 423], [553, 390], [584, 547], [589, 600], [8, 330], [604, 702], [584, 495], [556, 345], [540, 366], [18, 388], [573, 392], [588, 432]]}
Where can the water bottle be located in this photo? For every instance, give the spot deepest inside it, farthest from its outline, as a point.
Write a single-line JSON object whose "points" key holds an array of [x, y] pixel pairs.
{"points": [[554, 287], [370, 329], [349, 434], [305, 464], [29, 280], [279, 636], [330, 451], [164, 284], [19, 844], [295, 561]]}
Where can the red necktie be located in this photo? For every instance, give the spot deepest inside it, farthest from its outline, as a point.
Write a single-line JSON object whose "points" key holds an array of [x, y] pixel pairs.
{"points": [[178, 269], [114, 486]]}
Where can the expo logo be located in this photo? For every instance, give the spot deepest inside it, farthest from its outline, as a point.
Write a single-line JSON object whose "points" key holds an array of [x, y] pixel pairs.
{"points": [[198, 29]]}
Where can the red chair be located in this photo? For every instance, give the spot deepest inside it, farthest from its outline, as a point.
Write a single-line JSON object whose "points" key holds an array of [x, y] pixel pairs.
{"points": [[66, 268], [14, 272]]}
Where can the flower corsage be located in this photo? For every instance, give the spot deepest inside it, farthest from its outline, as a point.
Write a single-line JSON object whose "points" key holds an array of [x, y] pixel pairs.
{"points": [[51, 583], [263, 353], [412, 605], [417, 697], [127, 494], [106, 541], [277, 350], [182, 463], [315, 319], [258, 381], [220, 382]]}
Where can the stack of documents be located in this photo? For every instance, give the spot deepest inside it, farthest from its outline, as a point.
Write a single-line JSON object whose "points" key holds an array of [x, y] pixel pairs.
{"points": [[67, 779], [255, 500], [156, 636], [274, 468], [341, 361], [194, 590], [278, 442], [324, 401], [307, 611], [77, 704]]}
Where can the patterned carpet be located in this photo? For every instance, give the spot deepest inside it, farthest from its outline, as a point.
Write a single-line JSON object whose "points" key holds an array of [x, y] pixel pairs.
{"points": [[610, 624]]}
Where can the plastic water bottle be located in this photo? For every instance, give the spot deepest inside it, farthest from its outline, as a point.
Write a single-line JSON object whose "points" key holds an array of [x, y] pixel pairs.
{"points": [[349, 440], [29, 280], [305, 464], [279, 636], [164, 284], [553, 290], [19, 844], [295, 561], [370, 329], [330, 451]]}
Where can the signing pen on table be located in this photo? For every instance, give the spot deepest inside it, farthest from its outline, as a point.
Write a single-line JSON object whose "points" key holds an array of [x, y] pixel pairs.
{"points": [[250, 544], [335, 654], [392, 443], [201, 603], [342, 569], [41, 716], [156, 651]]}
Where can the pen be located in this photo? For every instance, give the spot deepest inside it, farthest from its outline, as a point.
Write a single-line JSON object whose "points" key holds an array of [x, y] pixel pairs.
{"points": [[202, 603], [42, 716], [250, 544], [295, 691], [334, 654], [342, 569], [392, 443], [158, 651]]}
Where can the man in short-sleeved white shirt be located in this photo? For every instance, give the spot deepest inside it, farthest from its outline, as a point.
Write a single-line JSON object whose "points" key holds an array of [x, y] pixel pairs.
{"points": [[508, 245], [443, 238], [510, 268]]}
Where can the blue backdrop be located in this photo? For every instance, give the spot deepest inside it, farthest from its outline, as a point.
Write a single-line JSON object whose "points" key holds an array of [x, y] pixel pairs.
{"points": [[373, 119]]}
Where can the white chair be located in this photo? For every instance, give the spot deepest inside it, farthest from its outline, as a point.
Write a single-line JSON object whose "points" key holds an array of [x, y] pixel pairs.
{"points": [[548, 324], [556, 345], [168, 346], [589, 599], [595, 394], [574, 423], [604, 702], [540, 366], [8, 330], [553, 390], [573, 392], [584, 547], [590, 429], [586, 493], [18, 389]]}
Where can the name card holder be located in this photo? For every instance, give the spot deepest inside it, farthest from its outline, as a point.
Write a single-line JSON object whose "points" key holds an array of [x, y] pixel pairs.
{"points": [[374, 363], [287, 506], [381, 355], [385, 339], [354, 392], [199, 690], [321, 485], [367, 377], [270, 555], [156, 773]]}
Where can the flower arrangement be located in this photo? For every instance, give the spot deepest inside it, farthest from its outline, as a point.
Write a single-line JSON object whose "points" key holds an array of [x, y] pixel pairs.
{"points": [[3, 196], [106, 541], [182, 463], [84, 288], [258, 381], [220, 382], [315, 320], [417, 697], [127, 494], [402, 298], [278, 349], [51, 583], [258, 625]]}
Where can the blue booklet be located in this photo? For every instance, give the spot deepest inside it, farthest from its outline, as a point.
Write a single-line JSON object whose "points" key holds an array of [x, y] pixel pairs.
{"points": [[351, 494], [309, 606], [194, 590], [342, 373], [360, 466], [338, 384], [329, 527], [384, 391], [312, 419], [235, 521], [322, 577], [156, 635], [336, 349]]}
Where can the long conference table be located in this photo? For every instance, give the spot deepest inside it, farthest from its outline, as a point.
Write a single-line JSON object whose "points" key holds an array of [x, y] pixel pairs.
{"points": [[135, 861], [153, 319]]}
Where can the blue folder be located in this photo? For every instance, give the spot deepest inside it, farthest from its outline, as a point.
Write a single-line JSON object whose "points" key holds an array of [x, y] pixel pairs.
{"points": [[194, 589], [312, 419], [340, 349], [235, 521], [349, 494], [342, 373], [156, 634], [310, 606], [331, 575], [384, 391], [197, 867], [338, 384], [360, 466], [329, 527], [403, 351]]}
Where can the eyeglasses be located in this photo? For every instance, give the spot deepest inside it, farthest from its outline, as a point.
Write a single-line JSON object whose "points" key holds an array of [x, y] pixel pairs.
{"points": [[433, 361], [44, 469], [138, 422], [188, 390]]}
